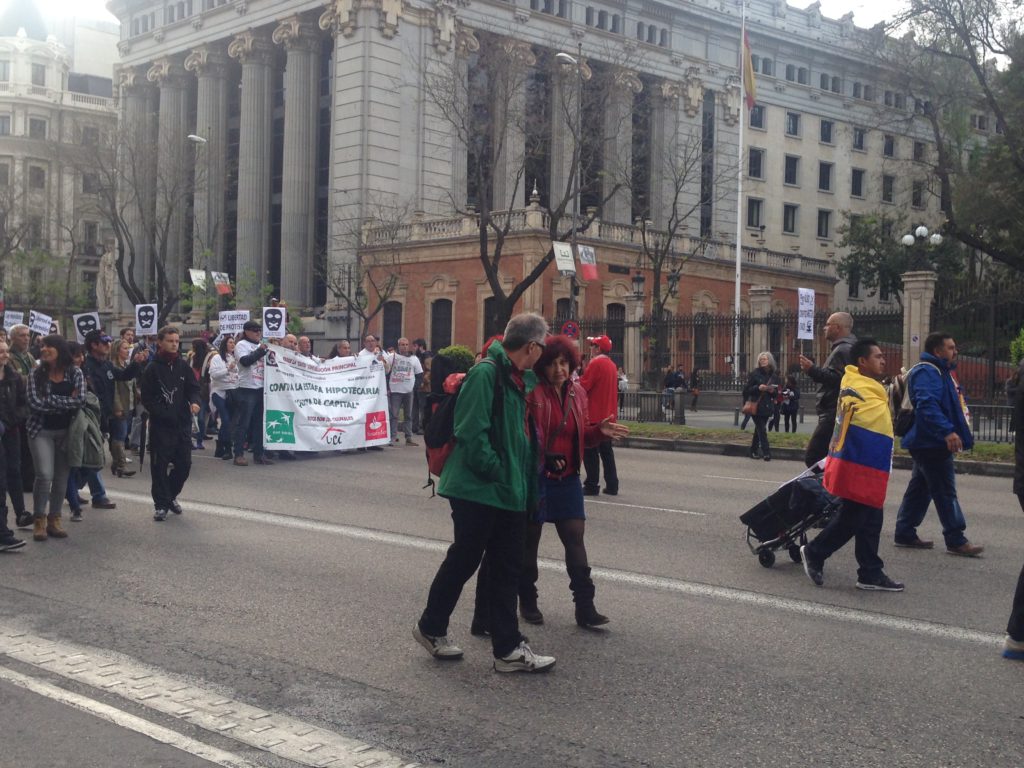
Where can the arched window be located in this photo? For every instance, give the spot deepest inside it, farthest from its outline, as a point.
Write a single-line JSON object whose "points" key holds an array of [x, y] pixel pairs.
{"points": [[652, 34], [663, 39], [391, 324], [491, 325], [767, 67], [616, 23], [602, 19], [534, 5], [803, 76], [837, 85], [563, 8], [640, 30], [869, 93], [590, 16], [791, 72], [440, 324], [755, 62], [824, 82], [856, 90]]}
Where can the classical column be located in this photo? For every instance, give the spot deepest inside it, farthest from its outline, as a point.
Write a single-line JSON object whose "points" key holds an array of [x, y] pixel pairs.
{"points": [[298, 199], [510, 108], [209, 64], [564, 89], [172, 175], [918, 292], [618, 149], [136, 172], [760, 308], [465, 44], [673, 161], [255, 52]]}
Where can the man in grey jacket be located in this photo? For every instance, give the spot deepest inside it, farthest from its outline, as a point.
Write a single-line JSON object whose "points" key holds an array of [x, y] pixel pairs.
{"points": [[839, 332]]}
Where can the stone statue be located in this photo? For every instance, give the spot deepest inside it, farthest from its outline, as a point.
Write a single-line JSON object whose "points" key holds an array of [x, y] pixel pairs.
{"points": [[106, 282]]}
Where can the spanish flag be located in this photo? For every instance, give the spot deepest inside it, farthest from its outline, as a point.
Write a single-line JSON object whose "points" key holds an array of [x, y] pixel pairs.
{"points": [[860, 455], [749, 83]]}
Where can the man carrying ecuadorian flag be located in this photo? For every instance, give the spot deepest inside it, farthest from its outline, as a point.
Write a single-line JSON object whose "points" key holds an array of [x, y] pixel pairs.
{"points": [[857, 471]]}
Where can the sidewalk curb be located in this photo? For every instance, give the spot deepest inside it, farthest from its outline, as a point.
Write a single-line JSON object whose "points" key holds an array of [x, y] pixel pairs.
{"points": [[963, 467]]}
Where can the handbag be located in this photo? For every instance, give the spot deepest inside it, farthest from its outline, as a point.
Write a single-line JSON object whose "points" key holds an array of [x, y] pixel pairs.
{"points": [[749, 408]]}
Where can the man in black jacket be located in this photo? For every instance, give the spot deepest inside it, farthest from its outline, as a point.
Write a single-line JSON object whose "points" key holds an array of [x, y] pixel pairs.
{"points": [[839, 332], [100, 375], [170, 394]]}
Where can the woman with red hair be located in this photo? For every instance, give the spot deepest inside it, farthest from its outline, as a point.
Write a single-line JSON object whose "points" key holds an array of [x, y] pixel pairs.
{"points": [[559, 408]]}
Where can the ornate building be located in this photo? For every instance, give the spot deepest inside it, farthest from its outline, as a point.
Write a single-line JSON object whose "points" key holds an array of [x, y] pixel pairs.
{"points": [[323, 128]]}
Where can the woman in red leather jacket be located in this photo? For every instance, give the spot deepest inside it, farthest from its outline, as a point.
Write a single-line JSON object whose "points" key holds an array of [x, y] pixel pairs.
{"points": [[558, 406]]}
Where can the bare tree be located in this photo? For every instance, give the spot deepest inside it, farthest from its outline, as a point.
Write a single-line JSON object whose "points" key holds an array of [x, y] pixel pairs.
{"points": [[503, 101]]}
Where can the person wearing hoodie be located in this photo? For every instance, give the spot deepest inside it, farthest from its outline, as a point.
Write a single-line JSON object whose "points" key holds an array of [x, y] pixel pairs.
{"points": [[170, 394]]}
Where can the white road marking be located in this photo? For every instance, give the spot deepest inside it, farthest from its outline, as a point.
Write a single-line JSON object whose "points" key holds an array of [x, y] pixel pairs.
{"points": [[199, 704], [125, 720], [631, 578], [746, 479], [643, 506]]}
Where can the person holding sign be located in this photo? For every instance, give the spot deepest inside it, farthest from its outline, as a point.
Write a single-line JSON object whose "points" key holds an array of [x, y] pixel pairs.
{"points": [[247, 408], [839, 333], [405, 368]]}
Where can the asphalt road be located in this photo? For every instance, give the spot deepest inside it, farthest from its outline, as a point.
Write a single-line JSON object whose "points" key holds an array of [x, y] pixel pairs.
{"points": [[293, 589]]}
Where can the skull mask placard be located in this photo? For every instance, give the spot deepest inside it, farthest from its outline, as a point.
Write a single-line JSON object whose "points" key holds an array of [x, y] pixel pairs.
{"points": [[146, 318], [273, 318], [85, 323]]}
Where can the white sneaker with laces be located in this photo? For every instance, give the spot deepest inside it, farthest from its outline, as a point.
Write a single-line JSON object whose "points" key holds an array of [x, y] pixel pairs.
{"points": [[523, 659], [438, 647]]}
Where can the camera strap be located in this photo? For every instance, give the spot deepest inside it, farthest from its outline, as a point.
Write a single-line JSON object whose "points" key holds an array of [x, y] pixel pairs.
{"points": [[566, 406]]}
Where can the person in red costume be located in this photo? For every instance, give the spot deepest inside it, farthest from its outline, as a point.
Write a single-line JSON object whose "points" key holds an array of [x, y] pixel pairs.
{"points": [[565, 429], [601, 383]]}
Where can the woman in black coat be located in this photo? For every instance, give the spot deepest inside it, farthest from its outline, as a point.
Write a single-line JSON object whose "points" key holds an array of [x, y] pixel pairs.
{"points": [[13, 414], [762, 385], [1013, 646]]}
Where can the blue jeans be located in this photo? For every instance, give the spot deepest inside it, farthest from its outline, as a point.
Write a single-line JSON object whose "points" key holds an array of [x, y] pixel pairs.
{"points": [[224, 414], [247, 421], [932, 479], [852, 521], [79, 477]]}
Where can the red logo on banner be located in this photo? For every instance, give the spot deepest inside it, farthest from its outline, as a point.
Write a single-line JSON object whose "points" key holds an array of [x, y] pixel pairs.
{"points": [[377, 425]]}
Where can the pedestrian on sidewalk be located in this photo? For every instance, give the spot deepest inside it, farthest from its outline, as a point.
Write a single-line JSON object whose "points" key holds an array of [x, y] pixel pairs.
{"points": [[490, 481], [82, 472], [1013, 645], [941, 429], [103, 378], [170, 393], [601, 383], [857, 471], [790, 403], [406, 370], [223, 371], [762, 386]]}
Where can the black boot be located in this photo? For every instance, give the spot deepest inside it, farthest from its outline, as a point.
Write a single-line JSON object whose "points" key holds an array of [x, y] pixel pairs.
{"points": [[219, 453], [529, 611], [227, 452], [582, 587]]}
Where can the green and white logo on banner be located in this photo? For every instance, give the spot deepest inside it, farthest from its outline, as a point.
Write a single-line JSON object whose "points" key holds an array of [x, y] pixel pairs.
{"points": [[280, 427]]}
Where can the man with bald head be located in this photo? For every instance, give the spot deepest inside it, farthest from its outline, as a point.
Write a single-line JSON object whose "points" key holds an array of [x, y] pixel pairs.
{"points": [[839, 333]]}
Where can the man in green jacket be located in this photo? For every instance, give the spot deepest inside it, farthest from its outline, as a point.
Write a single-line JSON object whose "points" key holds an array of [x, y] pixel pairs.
{"points": [[490, 480]]}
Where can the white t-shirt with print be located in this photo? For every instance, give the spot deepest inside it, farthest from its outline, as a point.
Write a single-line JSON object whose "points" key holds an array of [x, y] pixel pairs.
{"points": [[404, 370]]}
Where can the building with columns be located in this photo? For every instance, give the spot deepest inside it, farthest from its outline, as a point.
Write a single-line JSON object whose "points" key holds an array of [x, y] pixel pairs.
{"points": [[55, 105], [322, 131]]}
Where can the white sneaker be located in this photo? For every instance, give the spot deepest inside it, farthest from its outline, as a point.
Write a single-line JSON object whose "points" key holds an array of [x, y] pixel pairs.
{"points": [[438, 647], [522, 659]]}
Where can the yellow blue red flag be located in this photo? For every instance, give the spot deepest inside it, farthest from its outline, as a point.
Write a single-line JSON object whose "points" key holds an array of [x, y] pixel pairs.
{"points": [[860, 455]]}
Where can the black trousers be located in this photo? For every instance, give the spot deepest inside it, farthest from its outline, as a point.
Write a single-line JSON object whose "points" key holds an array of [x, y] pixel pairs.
{"points": [[593, 458], [478, 528], [169, 445], [817, 446], [1015, 627], [854, 521], [759, 443], [10, 448]]}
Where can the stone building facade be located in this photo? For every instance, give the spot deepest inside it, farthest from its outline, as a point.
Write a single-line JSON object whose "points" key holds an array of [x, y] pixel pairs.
{"points": [[55, 107], [317, 116]]}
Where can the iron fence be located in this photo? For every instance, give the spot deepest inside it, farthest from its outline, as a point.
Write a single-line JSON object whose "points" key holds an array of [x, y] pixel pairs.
{"points": [[992, 423]]}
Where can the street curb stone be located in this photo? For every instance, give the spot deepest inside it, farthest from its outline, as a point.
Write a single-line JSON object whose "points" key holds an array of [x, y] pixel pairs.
{"points": [[963, 467]]}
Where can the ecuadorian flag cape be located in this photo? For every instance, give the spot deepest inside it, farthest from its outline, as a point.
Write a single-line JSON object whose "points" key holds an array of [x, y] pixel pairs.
{"points": [[860, 455]]}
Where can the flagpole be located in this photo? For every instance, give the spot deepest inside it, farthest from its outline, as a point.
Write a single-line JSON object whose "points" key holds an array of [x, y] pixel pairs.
{"points": [[739, 188]]}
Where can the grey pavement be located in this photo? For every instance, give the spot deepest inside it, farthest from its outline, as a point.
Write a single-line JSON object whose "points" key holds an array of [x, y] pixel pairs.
{"points": [[294, 588], [725, 419]]}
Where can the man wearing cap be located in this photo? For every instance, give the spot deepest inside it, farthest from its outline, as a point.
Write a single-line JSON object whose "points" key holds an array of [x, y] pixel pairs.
{"points": [[247, 415], [601, 382], [100, 375]]}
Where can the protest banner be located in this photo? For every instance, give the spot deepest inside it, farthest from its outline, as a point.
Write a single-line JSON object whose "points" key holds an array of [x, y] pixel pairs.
{"points": [[275, 321], [86, 322], [231, 321], [145, 319], [39, 323], [13, 317], [805, 316], [328, 405]]}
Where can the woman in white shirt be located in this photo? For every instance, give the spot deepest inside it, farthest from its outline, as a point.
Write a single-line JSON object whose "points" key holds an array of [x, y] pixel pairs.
{"points": [[223, 372]]}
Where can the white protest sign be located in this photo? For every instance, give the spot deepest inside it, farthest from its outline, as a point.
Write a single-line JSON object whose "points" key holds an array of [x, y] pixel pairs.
{"points": [[329, 405], [275, 320], [231, 321], [563, 258], [88, 321], [198, 277], [13, 317], [39, 323], [805, 313], [145, 319]]}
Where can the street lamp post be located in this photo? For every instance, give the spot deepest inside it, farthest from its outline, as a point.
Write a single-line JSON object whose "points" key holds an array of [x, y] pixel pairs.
{"points": [[577, 180], [200, 141], [918, 240]]}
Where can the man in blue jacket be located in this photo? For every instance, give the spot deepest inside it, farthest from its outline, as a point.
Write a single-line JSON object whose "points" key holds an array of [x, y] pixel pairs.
{"points": [[940, 431]]}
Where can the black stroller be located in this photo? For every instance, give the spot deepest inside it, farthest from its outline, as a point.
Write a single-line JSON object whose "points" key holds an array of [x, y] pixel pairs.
{"points": [[781, 520]]}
